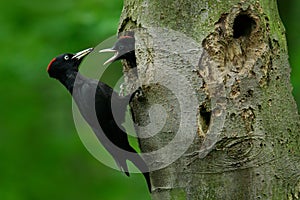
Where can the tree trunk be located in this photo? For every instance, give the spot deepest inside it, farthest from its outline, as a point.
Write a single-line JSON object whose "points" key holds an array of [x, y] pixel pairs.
{"points": [[216, 99]]}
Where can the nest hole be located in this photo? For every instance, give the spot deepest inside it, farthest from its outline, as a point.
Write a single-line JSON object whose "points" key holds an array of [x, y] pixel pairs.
{"points": [[205, 116], [243, 26]]}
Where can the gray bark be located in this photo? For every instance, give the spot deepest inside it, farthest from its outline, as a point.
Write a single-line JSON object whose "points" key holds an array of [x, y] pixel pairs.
{"points": [[215, 75]]}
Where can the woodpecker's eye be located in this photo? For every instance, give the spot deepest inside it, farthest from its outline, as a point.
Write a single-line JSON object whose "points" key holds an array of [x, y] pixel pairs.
{"points": [[66, 57], [121, 47]]}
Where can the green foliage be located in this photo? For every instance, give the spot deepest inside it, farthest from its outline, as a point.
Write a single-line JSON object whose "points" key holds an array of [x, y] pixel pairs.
{"points": [[290, 15], [42, 156]]}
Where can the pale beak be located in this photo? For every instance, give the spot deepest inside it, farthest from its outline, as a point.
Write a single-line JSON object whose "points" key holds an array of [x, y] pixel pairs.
{"points": [[83, 53], [115, 56]]}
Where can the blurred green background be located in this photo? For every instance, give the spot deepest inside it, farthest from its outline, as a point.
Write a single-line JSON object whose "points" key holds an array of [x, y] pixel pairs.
{"points": [[41, 154]]}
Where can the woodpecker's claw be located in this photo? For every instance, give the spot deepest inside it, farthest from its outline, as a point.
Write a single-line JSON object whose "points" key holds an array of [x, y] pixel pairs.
{"points": [[138, 93]]}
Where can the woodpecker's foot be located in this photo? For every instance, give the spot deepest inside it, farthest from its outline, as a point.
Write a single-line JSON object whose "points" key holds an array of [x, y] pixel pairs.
{"points": [[139, 94]]}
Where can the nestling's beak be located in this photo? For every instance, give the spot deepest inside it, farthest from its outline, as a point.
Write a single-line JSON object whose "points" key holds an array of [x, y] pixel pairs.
{"points": [[82, 54], [115, 56]]}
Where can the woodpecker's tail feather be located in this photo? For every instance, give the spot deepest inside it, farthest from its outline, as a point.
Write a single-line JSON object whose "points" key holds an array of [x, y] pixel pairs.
{"points": [[139, 162], [122, 166], [119, 138], [147, 177]]}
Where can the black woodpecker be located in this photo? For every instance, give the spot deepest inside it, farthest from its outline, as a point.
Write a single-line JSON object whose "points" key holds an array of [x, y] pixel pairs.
{"points": [[95, 101], [124, 48]]}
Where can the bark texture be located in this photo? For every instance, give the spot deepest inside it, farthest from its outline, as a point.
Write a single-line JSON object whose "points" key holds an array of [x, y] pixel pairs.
{"points": [[216, 72]]}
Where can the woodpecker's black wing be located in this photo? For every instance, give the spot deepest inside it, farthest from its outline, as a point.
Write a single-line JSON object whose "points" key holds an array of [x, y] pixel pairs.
{"points": [[96, 102], [84, 92]]}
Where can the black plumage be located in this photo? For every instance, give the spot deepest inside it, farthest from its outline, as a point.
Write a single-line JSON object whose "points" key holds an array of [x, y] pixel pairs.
{"points": [[102, 108], [124, 48]]}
